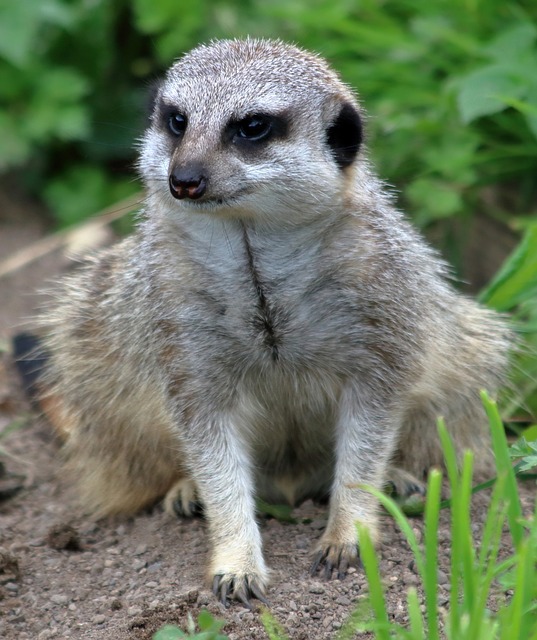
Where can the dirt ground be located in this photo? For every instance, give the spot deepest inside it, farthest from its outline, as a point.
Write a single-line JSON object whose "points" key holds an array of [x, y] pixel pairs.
{"points": [[63, 575]]}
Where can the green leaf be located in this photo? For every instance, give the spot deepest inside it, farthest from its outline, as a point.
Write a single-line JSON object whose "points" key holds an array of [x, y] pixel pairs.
{"points": [[512, 42], [433, 199], [83, 191], [516, 281], [169, 632], [530, 433], [206, 622], [526, 453], [480, 92], [77, 194], [19, 25], [274, 629], [15, 148], [21, 22], [281, 512], [55, 109]]}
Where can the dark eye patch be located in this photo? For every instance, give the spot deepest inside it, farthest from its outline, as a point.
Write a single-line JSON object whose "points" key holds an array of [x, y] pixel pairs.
{"points": [[172, 119], [256, 129]]}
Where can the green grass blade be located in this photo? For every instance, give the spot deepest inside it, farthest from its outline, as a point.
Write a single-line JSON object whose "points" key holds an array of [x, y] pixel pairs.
{"points": [[513, 620], [450, 458], [417, 631], [376, 592], [359, 621], [430, 583], [493, 525], [394, 510], [526, 584], [504, 466], [487, 562], [463, 533]]}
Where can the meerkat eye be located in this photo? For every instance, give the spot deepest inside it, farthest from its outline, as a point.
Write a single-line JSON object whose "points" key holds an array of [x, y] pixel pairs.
{"points": [[254, 128], [177, 124]]}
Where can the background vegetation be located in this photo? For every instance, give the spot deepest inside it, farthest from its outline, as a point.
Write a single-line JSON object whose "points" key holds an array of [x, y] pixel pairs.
{"points": [[451, 87]]}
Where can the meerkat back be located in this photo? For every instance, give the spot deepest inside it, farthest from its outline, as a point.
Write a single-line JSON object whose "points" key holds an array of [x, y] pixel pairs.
{"points": [[274, 327]]}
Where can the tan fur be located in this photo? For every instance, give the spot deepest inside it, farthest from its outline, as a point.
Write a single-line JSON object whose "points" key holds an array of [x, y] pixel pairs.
{"points": [[274, 327]]}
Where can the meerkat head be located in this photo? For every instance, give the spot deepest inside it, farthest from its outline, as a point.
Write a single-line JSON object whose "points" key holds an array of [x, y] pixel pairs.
{"points": [[253, 129]]}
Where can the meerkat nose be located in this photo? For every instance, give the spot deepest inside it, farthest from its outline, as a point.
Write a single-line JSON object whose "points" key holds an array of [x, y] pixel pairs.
{"points": [[189, 182]]}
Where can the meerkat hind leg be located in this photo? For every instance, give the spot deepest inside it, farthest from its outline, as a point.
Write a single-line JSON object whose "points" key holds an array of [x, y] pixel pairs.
{"points": [[182, 499], [402, 483]]}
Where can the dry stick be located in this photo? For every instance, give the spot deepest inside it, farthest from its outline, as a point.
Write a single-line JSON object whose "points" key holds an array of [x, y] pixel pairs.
{"points": [[57, 240]]}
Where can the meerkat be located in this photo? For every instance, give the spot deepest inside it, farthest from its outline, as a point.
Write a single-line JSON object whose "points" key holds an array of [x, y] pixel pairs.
{"points": [[273, 328]]}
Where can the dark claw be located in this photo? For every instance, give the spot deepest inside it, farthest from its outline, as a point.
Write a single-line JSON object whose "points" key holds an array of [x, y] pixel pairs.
{"points": [[417, 488], [216, 584], [317, 560], [257, 593], [328, 562], [195, 507], [227, 590], [343, 565], [328, 568], [240, 594]]}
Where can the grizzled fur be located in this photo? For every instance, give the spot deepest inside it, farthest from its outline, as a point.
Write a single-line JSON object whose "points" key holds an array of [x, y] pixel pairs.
{"points": [[274, 327]]}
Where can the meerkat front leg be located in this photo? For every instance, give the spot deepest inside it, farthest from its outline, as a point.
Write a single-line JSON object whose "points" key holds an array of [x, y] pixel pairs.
{"points": [[364, 441], [221, 470]]}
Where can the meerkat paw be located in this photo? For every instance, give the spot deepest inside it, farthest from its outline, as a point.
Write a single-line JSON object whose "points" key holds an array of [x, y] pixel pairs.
{"points": [[338, 548], [182, 501], [330, 558], [403, 483], [239, 574], [229, 586]]}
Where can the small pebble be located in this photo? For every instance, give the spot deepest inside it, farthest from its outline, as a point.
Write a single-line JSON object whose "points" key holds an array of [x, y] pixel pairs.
{"points": [[316, 588], [58, 598], [327, 622], [99, 619], [138, 564], [134, 611], [116, 604], [442, 577], [63, 536]]}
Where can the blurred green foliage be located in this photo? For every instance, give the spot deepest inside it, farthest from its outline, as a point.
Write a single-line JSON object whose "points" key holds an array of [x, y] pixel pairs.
{"points": [[451, 88]]}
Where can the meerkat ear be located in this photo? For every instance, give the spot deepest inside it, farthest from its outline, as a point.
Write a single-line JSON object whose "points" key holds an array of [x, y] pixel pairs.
{"points": [[345, 135]]}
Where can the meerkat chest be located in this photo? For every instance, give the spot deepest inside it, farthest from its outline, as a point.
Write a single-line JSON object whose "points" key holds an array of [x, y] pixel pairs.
{"points": [[276, 300]]}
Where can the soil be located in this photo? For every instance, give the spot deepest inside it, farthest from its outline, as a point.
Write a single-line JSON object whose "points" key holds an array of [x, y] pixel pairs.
{"points": [[63, 575]]}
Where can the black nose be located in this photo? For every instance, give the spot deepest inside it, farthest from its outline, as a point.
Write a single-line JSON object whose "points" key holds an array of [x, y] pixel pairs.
{"points": [[188, 182]]}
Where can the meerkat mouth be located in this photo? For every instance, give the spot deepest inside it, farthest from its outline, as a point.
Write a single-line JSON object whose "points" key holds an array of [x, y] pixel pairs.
{"points": [[217, 202]]}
